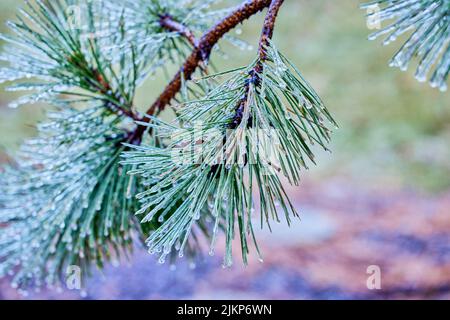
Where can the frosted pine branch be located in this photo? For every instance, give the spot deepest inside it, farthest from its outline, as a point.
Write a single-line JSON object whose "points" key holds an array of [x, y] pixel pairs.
{"points": [[429, 24]]}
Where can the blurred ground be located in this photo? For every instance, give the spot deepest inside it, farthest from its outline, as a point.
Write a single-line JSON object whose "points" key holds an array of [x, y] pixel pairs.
{"points": [[344, 230], [382, 198]]}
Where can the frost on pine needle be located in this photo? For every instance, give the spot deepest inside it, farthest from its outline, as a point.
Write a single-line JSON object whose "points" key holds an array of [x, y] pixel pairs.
{"points": [[64, 202], [64, 61], [165, 30], [233, 144], [66, 199], [70, 195], [429, 21]]}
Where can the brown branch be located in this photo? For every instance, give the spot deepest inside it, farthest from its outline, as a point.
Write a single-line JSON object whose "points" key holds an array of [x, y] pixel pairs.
{"points": [[254, 75], [200, 54], [168, 23], [104, 87], [268, 27]]}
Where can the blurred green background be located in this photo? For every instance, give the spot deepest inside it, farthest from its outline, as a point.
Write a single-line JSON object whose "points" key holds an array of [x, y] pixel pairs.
{"points": [[382, 197]]}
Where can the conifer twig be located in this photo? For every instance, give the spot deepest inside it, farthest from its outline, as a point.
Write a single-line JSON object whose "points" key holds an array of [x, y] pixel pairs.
{"points": [[200, 54], [167, 22], [104, 87], [268, 27], [266, 36]]}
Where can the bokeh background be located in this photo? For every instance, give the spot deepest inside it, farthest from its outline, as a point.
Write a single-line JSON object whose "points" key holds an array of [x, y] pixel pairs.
{"points": [[382, 198]]}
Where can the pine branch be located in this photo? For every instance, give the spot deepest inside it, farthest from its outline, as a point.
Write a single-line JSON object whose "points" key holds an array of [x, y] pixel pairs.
{"points": [[67, 200], [65, 65], [268, 27], [201, 53], [164, 31], [78, 197], [273, 114], [430, 39], [255, 73], [211, 167], [170, 24], [167, 22], [257, 124]]}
